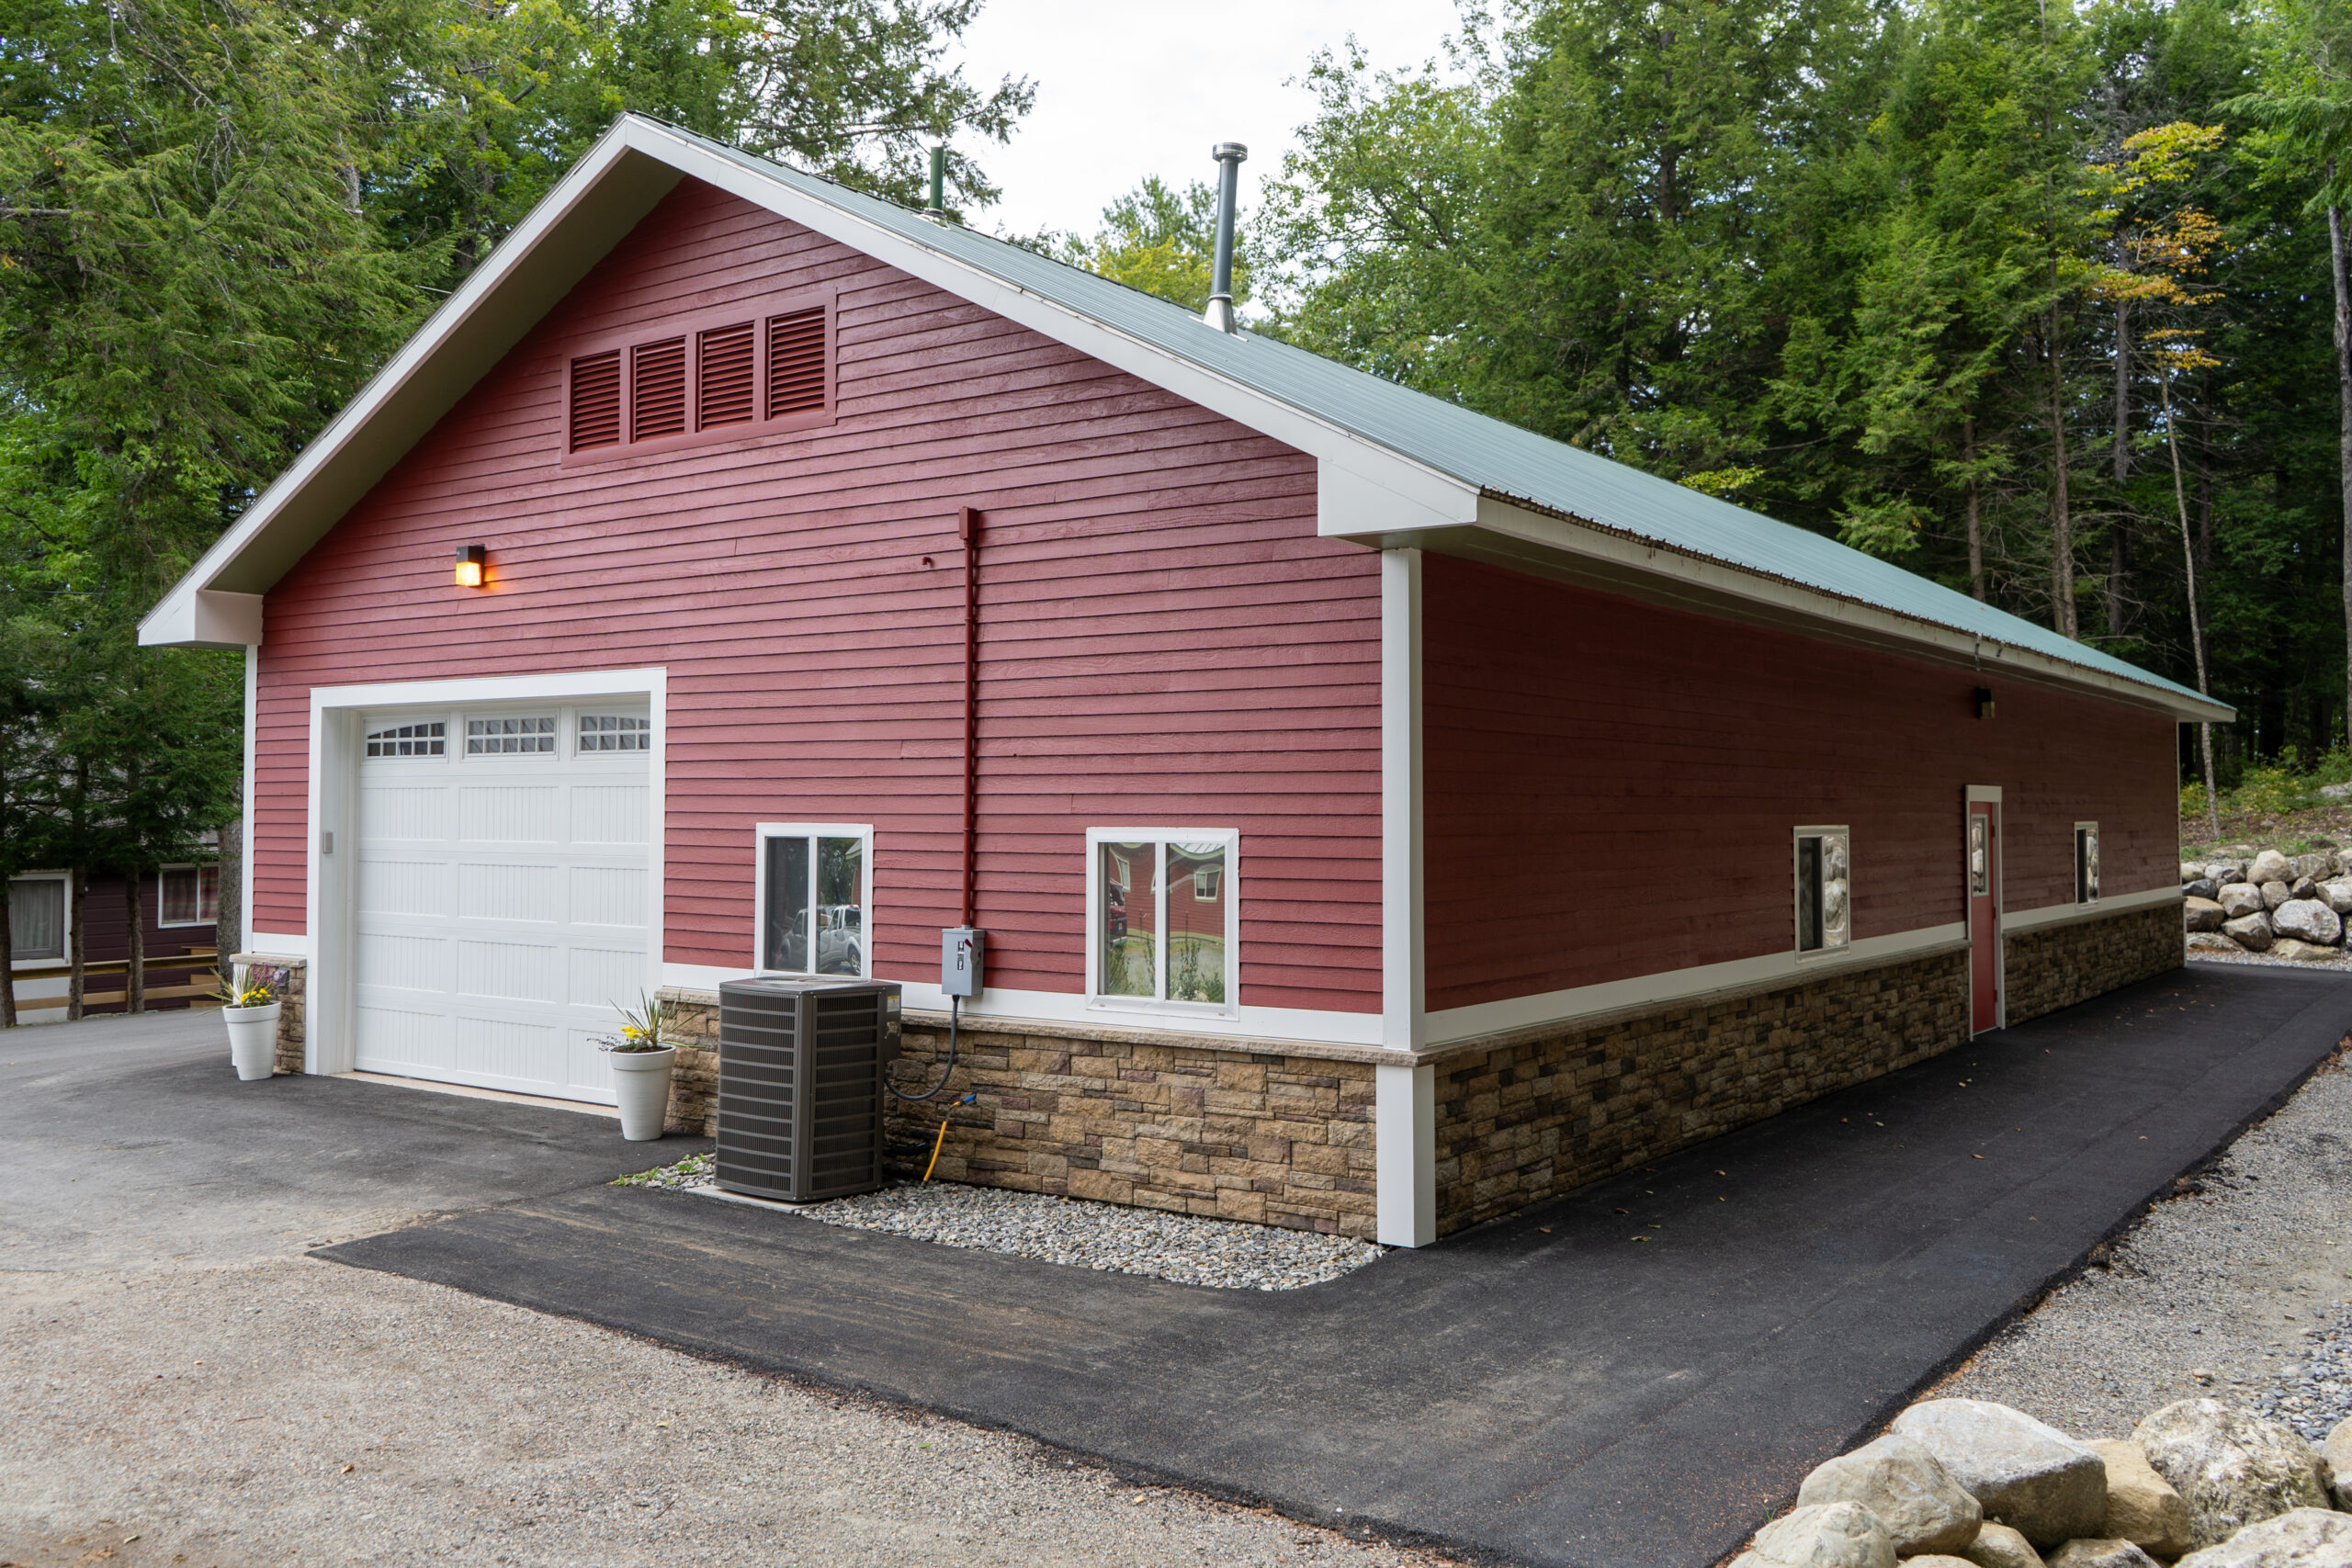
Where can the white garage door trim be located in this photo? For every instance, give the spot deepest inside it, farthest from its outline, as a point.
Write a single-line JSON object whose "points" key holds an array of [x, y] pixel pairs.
{"points": [[333, 817]]}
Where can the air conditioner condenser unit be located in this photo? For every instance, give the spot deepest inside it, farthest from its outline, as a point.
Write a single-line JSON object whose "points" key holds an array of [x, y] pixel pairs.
{"points": [[801, 1066]]}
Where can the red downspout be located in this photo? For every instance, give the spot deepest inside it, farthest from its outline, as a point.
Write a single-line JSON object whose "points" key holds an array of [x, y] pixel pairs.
{"points": [[968, 524]]}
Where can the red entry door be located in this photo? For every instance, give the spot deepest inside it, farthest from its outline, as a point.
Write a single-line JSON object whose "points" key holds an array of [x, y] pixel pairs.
{"points": [[1983, 874]]}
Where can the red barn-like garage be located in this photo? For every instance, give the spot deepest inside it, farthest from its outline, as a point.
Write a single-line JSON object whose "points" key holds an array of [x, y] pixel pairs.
{"points": [[1382, 817]]}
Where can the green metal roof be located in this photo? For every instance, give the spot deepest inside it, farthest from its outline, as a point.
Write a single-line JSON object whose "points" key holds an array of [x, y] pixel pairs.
{"points": [[1497, 458]]}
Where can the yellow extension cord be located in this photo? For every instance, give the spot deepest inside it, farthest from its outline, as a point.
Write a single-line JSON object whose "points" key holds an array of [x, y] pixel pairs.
{"points": [[935, 1145]]}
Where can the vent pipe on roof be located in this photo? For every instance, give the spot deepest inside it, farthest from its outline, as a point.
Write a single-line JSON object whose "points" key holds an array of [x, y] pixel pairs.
{"points": [[1228, 155], [936, 210]]}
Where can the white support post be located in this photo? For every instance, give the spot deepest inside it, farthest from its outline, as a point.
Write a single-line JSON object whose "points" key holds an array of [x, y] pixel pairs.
{"points": [[1402, 999], [1405, 1140]]}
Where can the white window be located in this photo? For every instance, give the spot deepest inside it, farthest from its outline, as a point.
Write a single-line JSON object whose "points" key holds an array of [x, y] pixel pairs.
{"points": [[2086, 863], [190, 895], [614, 732], [814, 882], [507, 737], [408, 740], [1164, 931], [1825, 889], [36, 917]]}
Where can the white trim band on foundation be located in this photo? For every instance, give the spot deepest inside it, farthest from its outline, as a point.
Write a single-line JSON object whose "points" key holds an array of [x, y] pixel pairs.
{"points": [[2016, 920]]}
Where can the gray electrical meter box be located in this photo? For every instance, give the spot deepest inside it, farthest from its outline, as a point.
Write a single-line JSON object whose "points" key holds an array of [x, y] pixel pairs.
{"points": [[961, 952]]}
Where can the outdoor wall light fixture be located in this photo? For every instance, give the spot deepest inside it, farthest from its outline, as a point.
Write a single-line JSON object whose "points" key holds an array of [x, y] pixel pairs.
{"points": [[1983, 702], [472, 560]]}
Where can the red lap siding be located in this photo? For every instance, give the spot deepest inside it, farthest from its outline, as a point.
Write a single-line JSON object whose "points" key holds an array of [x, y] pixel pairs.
{"points": [[1611, 787], [1166, 641]]}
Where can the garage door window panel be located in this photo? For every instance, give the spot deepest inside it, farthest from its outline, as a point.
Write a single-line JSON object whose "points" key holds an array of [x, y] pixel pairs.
{"points": [[532, 736]]}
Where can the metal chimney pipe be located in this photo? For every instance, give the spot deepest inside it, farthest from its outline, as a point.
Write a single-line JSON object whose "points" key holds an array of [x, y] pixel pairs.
{"points": [[1228, 155], [937, 209]]}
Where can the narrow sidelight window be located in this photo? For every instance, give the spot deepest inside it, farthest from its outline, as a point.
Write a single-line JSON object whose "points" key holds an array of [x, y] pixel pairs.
{"points": [[596, 400], [1164, 926], [797, 362], [723, 377], [2086, 863], [658, 389], [1824, 889], [813, 883]]}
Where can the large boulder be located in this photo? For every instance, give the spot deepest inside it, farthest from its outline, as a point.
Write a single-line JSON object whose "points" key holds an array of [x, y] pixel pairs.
{"points": [[2097, 1554], [2275, 893], [2301, 1538], [2141, 1506], [1998, 1546], [1914, 1496], [1829, 1535], [2211, 941], [2201, 914], [2203, 887], [2308, 919], [2338, 895], [2226, 871], [2304, 952], [2240, 898], [2030, 1477], [2318, 867], [2337, 1453], [2232, 1469], [2270, 866], [2303, 887], [2249, 931]]}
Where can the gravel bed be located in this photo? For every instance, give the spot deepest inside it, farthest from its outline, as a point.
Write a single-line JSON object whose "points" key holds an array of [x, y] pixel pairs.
{"points": [[2237, 1286], [2268, 961], [1184, 1248]]}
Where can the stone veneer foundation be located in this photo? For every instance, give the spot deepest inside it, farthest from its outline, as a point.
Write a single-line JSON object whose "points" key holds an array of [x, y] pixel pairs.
{"points": [[1285, 1135], [1553, 1108], [2057, 967], [1192, 1126]]}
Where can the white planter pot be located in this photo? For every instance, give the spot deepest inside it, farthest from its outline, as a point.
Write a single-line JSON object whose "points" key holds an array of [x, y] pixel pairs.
{"points": [[642, 1084], [253, 1039]]}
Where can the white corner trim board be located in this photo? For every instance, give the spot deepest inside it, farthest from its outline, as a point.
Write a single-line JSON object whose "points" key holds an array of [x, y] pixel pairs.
{"points": [[1405, 1155], [332, 802], [1684, 985], [2016, 920], [1403, 921]]}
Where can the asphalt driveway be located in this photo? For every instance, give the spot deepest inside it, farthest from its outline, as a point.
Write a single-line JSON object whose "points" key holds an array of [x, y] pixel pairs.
{"points": [[1631, 1377]]}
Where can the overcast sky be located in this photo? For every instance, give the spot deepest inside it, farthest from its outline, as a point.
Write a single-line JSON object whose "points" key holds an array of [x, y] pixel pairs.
{"points": [[1127, 88]]}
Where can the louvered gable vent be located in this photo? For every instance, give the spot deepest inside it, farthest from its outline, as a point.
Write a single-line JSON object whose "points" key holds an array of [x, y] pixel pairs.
{"points": [[723, 386], [797, 362], [657, 389], [596, 400]]}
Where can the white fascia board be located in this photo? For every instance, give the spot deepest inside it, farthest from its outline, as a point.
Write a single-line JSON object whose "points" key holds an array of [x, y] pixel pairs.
{"points": [[1377, 488], [1792, 603], [2016, 920], [203, 617], [175, 621]]}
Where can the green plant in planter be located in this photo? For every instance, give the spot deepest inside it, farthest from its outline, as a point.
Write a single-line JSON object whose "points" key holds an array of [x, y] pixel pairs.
{"points": [[645, 1027]]}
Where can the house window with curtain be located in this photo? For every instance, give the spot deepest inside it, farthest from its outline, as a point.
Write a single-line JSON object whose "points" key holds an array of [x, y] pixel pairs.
{"points": [[190, 895], [36, 917], [1163, 916], [2086, 863]]}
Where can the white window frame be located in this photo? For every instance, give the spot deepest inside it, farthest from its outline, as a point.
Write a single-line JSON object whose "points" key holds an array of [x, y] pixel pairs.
{"points": [[1827, 949], [761, 833], [197, 867], [65, 881], [1230, 900], [2085, 896]]}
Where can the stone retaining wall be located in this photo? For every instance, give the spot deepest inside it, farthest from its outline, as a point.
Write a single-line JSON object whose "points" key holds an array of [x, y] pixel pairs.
{"points": [[2059, 966], [1534, 1119]]}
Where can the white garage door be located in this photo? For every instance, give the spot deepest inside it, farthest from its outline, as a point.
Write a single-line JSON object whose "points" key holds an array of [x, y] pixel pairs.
{"points": [[502, 899]]}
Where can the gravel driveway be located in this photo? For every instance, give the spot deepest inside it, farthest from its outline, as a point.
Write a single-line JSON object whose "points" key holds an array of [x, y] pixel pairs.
{"points": [[205, 1395]]}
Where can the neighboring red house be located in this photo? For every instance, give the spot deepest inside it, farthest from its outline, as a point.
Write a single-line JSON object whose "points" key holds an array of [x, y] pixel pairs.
{"points": [[1381, 817]]}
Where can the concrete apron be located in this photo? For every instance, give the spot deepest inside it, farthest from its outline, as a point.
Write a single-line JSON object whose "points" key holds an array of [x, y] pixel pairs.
{"points": [[1634, 1376]]}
